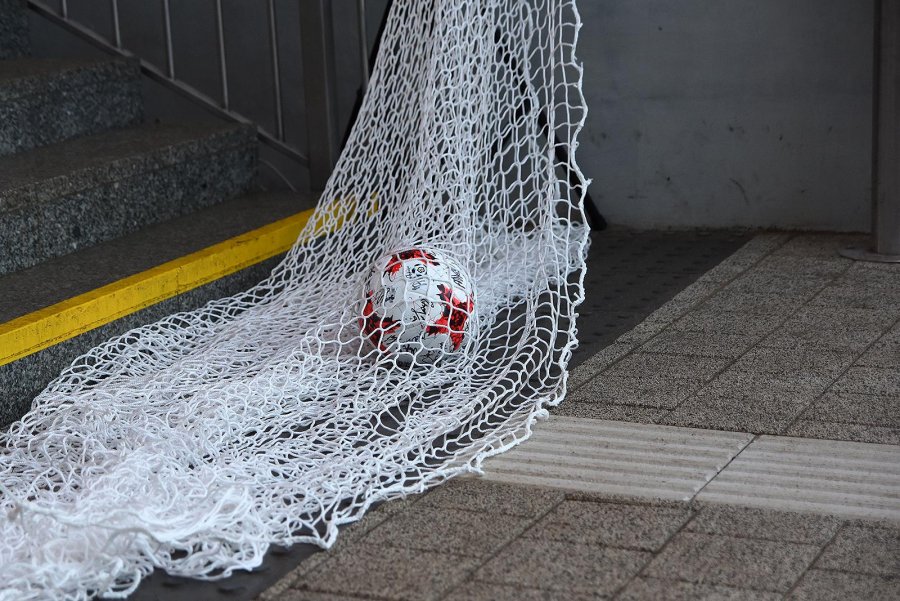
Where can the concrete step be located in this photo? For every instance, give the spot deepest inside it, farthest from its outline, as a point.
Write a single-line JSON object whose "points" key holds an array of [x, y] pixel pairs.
{"points": [[13, 29], [43, 101], [61, 198], [218, 235]]}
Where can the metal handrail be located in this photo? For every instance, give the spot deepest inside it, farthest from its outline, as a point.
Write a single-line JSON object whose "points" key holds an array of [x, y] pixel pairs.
{"points": [[317, 54]]}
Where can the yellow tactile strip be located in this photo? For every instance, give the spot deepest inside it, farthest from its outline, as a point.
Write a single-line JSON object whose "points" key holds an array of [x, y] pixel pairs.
{"points": [[51, 325], [45, 327]]}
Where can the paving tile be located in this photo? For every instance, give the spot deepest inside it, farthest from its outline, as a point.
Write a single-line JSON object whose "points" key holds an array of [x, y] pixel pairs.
{"points": [[456, 531], [749, 302], [764, 524], [849, 317], [654, 589], [621, 525], [730, 561], [703, 344], [864, 550], [476, 494], [597, 363], [485, 591], [824, 246], [660, 393], [559, 566], [666, 366], [714, 321], [851, 295], [388, 572], [599, 409], [868, 409], [813, 365], [799, 386], [884, 353], [842, 431], [825, 585], [298, 595], [870, 380], [841, 329], [778, 286], [347, 537], [788, 264], [741, 411], [885, 281], [605, 497]]}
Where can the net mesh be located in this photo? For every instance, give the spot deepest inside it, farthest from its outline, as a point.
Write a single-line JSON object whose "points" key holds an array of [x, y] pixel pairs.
{"points": [[194, 443]]}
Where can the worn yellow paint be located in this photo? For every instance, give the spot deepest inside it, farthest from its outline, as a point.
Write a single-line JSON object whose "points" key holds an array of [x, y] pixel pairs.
{"points": [[40, 329]]}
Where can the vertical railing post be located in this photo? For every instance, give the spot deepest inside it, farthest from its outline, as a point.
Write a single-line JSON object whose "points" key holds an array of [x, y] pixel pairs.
{"points": [[317, 47], [363, 36], [886, 139]]}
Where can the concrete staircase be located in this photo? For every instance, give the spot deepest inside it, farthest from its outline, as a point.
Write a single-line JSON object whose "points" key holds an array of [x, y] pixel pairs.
{"points": [[90, 195]]}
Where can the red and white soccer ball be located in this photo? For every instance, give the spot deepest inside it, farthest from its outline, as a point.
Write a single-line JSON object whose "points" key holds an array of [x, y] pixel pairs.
{"points": [[418, 306]]}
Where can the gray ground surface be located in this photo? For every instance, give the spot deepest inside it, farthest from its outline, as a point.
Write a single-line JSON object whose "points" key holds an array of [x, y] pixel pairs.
{"points": [[630, 274], [476, 540], [782, 337], [785, 337]]}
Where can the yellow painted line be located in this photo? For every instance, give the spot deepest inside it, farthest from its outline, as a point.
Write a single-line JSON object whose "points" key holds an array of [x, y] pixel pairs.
{"points": [[40, 329]]}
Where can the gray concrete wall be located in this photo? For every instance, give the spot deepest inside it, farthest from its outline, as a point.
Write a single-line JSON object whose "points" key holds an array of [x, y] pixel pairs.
{"points": [[729, 112]]}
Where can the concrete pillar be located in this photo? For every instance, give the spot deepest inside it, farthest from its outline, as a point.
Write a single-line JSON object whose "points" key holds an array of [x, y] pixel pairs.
{"points": [[886, 139], [886, 176]]}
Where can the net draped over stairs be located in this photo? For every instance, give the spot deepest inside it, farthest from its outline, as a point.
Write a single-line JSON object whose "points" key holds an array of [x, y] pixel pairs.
{"points": [[194, 443]]}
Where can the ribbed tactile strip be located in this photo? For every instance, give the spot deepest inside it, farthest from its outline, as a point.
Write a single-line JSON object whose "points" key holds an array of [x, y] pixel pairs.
{"points": [[847, 479], [617, 458]]}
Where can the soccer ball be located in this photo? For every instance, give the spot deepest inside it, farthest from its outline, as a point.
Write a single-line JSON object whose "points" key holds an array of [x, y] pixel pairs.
{"points": [[418, 306]]}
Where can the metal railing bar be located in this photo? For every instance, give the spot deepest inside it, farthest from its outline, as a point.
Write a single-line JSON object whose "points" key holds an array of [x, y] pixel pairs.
{"points": [[64, 8], [363, 36], [273, 41], [117, 30], [279, 173], [317, 54], [170, 53], [223, 61], [159, 76]]}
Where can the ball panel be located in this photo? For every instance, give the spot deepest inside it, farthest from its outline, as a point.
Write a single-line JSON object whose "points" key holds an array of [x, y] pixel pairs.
{"points": [[417, 305]]}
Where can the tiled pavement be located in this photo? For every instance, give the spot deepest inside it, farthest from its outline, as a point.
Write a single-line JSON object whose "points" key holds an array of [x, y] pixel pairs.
{"points": [[784, 337], [475, 540]]}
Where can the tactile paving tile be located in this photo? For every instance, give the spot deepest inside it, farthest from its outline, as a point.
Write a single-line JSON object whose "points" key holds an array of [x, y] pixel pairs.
{"points": [[617, 458], [848, 479]]}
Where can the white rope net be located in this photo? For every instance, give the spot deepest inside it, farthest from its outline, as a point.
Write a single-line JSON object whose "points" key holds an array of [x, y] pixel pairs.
{"points": [[194, 443]]}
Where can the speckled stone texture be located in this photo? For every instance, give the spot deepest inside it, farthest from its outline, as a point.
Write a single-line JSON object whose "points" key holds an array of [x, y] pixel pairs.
{"points": [[22, 380], [538, 544], [57, 199], [13, 29], [62, 278], [784, 337], [43, 101]]}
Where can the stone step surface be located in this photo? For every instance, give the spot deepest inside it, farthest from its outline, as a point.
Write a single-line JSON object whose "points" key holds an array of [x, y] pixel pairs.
{"points": [[64, 197], [64, 277], [13, 29], [43, 101]]}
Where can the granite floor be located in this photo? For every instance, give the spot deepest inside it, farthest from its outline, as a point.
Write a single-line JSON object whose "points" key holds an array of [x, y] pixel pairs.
{"points": [[784, 337], [476, 540]]}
